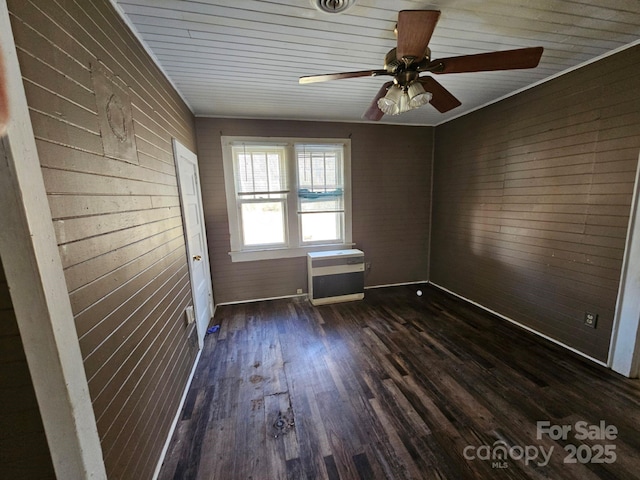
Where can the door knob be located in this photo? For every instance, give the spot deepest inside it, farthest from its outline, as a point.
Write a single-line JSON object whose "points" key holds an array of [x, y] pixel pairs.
{"points": [[197, 258]]}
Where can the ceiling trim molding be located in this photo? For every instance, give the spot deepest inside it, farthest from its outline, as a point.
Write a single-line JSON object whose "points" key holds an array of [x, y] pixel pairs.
{"points": [[323, 120], [123, 16]]}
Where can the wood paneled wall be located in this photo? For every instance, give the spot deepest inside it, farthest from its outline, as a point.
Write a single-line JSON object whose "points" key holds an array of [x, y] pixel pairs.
{"points": [[115, 207], [532, 197], [391, 183], [25, 453]]}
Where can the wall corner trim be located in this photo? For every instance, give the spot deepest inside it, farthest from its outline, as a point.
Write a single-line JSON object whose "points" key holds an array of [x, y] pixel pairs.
{"points": [[624, 351], [33, 269]]}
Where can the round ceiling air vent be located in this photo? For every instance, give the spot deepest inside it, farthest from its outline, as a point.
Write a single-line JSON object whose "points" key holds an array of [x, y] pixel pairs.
{"points": [[333, 6]]}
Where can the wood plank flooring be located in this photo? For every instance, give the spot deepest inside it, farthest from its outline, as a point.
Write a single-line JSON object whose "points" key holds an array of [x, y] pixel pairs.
{"points": [[396, 386]]}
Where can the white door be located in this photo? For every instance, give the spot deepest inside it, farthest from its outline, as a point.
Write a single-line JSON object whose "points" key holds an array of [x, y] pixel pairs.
{"points": [[197, 253]]}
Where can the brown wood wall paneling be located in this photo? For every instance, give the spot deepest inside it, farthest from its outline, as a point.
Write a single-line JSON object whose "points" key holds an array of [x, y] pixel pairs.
{"points": [[140, 380], [391, 182], [142, 458], [127, 275], [105, 37], [77, 252], [117, 219], [531, 210], [123, 304], [103, 351], [25, 452]]}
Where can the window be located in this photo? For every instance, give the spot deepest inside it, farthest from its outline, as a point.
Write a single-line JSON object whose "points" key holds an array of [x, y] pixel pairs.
{"points": [[261, 194], [286, 197]]}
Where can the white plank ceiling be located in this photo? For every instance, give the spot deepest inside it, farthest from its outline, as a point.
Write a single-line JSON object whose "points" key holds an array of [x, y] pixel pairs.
{"points": [[242, 58]]}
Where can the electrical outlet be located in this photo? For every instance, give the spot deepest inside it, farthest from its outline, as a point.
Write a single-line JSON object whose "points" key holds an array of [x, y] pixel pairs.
{"points": [[590, 319], [189, 315], [367, 266], [299, 291]]}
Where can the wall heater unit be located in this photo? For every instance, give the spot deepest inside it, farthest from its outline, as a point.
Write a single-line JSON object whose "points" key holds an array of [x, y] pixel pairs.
{"points": [[335, 276]]}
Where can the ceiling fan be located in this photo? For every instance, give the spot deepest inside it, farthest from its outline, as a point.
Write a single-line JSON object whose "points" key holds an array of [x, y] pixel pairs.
{"points": [[412, 56]]}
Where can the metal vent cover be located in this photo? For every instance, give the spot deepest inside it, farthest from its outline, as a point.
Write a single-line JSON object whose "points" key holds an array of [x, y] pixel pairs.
{"points": [[333, 6]]}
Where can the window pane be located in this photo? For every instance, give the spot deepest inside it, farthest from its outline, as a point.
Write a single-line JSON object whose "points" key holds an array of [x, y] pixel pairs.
{"points": [[319, 168], [329, 203], [259, 169], [319, 178], [263, 223], [318, 227], [320, 192]]}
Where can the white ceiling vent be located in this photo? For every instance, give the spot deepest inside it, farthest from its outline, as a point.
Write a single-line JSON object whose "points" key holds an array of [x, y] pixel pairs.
{"points": [[333, 6]]}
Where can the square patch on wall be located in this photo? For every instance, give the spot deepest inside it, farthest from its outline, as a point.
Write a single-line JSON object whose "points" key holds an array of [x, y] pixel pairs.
{"points": [[114, 111]]}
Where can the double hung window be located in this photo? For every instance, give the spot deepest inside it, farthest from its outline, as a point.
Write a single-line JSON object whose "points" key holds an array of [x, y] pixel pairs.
{"points": [[261, 194], [286, 196]]}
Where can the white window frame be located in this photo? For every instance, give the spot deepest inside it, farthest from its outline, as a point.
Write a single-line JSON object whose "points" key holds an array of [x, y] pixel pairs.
{"points": [[294, 247]]}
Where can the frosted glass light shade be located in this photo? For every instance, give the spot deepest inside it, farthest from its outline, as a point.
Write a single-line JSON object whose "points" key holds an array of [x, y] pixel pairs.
{"points": [[403, 104], [389, 103], [418, 96]]}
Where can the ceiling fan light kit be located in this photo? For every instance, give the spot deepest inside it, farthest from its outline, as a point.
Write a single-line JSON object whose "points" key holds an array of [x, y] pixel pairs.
{"points": [[399, 100], [412, 56]]}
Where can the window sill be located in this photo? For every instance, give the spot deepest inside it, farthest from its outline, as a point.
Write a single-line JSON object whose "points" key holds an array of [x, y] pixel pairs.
{"points": [[275, 253]]}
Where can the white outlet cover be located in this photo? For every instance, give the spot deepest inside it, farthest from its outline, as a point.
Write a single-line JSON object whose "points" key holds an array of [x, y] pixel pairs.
{"points": [[190, 315]]}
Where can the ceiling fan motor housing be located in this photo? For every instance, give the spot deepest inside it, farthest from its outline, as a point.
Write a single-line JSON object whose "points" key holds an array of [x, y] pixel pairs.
{"points": [[405, 78], [392, 64]]}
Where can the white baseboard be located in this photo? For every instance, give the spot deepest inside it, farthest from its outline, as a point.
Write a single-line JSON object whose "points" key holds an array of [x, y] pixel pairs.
{"points": [[529, 329], [238, 302], [504, 317], [397, 284]]}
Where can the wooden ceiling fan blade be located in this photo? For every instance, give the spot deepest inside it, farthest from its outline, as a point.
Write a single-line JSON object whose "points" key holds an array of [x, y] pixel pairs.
{"points": [[484, 62], [373, 112], [442, 99], [337, 76], [415, 28]]}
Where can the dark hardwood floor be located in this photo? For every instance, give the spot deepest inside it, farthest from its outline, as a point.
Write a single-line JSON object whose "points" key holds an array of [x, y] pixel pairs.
{"points": [[397, 386]]}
